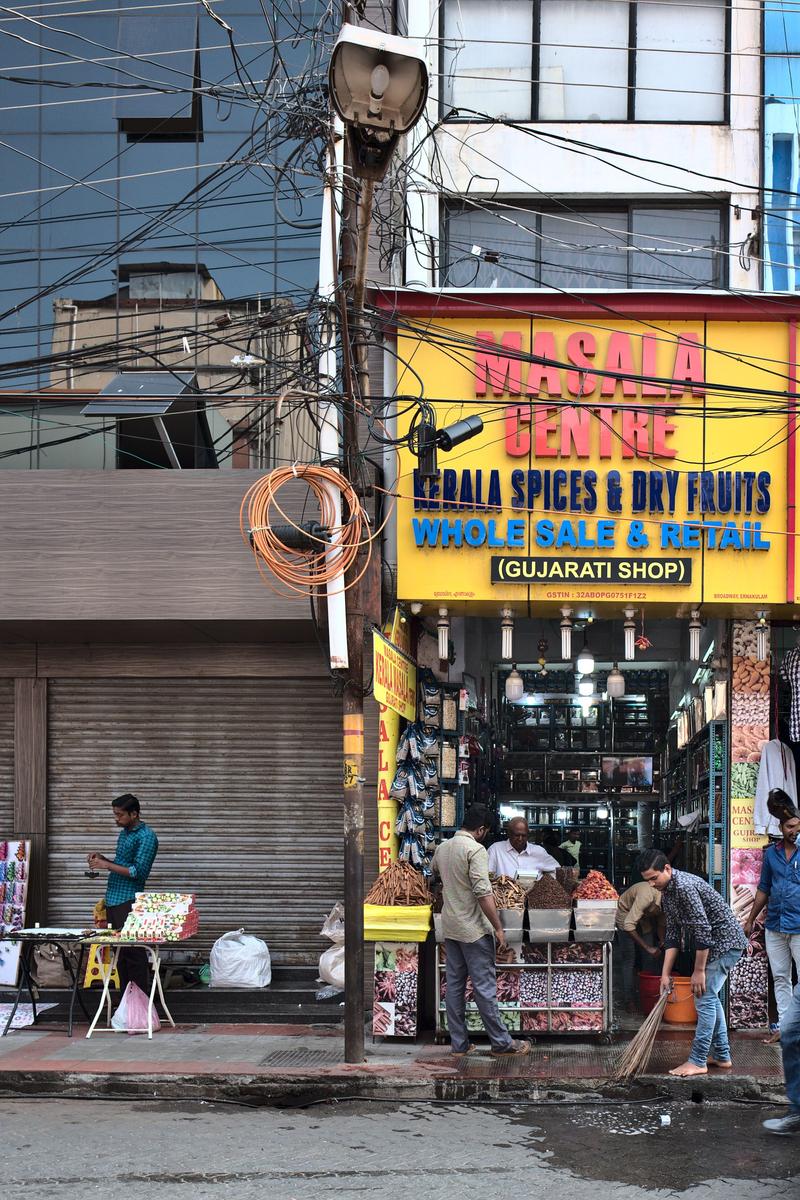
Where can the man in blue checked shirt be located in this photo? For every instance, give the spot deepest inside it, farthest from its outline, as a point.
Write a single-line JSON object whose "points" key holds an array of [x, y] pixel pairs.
{"points": [[137, 847]]}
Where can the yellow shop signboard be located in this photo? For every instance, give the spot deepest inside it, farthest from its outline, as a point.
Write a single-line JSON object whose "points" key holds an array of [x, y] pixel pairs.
{"points": [[616, 464]]}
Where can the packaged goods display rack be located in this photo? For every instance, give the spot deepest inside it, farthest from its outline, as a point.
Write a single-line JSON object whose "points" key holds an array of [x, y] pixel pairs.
{"points": [[697, 779], [561, 988]]}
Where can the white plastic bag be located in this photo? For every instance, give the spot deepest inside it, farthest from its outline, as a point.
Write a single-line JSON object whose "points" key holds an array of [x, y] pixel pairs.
{"points": [[331, 966], [238, 959], [132, 1014], [333, 925], [331, 961]]}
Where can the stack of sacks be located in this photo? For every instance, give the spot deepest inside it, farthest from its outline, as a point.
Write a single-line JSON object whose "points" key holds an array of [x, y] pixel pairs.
{"points": [[161, 917]]}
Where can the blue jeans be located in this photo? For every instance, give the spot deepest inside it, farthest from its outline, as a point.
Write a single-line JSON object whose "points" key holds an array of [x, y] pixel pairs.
{"points": [[711, 1034], [475, 959], [790, 1045]]}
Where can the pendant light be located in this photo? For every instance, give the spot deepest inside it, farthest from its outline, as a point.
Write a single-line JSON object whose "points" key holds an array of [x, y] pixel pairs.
{"points": [[515, 686], [629, 629], [586, 686], [615, 684], [585, 661], [762, 631], [695, 625], [443, 627], [506, 634], [566, 634]]}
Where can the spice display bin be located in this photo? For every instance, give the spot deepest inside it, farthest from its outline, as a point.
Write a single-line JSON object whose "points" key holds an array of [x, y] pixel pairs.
{"points": [[549, 924], [595, 920], [566, 992]]}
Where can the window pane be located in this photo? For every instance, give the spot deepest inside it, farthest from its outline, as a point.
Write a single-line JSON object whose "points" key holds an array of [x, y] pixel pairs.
{"points": [[677, 248], [680, 61], [515, 245], [492, 77], [781, 29], [781, 83], [583, 60], [585, 250]]}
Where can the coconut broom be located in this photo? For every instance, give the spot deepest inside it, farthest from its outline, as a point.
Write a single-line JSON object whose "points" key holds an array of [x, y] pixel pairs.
{"points": [[633, 1061]]}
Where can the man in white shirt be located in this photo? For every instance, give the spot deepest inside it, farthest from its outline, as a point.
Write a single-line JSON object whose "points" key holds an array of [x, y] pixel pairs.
{"points": [[517, 854]]}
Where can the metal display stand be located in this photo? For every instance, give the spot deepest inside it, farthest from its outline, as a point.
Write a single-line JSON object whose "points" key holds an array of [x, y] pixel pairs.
{"points": [[533, 1018]]}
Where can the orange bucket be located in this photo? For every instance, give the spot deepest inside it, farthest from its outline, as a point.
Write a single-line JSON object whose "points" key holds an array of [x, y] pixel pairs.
{"points": [[680, 1009]]}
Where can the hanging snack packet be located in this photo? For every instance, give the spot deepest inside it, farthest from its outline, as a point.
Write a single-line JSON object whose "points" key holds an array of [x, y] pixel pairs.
{"points": [[399, 788]]}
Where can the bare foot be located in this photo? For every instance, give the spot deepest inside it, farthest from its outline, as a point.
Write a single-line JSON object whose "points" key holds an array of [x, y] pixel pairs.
{"points": [[722, 1064], [773, 1038], [687, 1070]]}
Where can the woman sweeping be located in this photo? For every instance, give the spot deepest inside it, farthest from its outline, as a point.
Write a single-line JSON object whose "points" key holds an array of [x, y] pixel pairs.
{"points": [[779, 891]]}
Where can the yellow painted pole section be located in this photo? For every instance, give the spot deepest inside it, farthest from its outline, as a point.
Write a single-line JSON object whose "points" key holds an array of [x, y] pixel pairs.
{"points": [[353, 746], [388, 737]]}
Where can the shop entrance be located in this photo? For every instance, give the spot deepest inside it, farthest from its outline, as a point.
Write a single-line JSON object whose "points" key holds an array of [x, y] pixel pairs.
{"points": [[608, 755], [603, 756]]}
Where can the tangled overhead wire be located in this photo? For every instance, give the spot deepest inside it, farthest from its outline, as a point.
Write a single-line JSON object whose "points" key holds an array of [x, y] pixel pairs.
{"points": [[305, 557]]}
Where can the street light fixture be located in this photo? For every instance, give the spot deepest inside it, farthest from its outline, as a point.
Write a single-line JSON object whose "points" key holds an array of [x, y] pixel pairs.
{"points": [[379, 87]]}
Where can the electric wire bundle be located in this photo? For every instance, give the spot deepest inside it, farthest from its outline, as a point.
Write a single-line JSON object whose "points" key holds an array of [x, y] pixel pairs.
{"points": [[328, 554]]}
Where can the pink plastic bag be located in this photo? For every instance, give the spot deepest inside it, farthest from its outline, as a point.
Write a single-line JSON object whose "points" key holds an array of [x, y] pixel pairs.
{"points": [[131, 1016]]}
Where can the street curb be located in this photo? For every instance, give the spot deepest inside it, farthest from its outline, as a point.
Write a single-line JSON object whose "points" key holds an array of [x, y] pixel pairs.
{"points": [[296, 1089]]}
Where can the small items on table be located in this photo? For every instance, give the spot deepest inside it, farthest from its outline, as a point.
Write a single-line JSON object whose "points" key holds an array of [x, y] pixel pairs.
{"points": [[156, 919]]}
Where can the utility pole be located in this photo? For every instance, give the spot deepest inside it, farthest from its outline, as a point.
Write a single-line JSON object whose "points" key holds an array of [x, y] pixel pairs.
{"points": [[356, 384], [362, 84]]}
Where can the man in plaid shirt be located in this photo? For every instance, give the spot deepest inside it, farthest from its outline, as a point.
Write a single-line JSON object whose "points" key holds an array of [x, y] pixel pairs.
{"points": [[137, 847], [696, 915]]}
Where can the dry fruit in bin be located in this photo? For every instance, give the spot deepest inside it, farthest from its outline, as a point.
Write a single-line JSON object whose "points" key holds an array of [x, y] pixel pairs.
{"points": [[596, 887], [399, 884], [546, 893], [507, 892]]}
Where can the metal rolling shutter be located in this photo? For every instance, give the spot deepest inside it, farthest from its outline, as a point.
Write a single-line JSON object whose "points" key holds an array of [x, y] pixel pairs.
{"points": [[240, 778], [6, 758]]}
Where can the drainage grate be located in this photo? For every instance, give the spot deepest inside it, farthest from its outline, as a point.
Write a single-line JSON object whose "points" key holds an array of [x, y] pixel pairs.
{"points": [[301, 1058]]}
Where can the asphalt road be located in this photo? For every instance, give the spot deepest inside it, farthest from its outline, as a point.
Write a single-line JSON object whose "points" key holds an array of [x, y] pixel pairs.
{"points": [[123, 1151]]}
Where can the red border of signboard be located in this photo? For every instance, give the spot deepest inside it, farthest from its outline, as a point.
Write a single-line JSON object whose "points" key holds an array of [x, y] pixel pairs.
{"points": [[674, 305]]}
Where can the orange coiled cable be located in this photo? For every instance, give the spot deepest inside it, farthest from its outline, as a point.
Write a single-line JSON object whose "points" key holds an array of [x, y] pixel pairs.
{"points": [[304, 571]]}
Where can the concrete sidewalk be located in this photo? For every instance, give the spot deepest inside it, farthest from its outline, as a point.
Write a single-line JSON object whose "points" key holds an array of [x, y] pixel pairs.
{"points": [[269, 1063]]}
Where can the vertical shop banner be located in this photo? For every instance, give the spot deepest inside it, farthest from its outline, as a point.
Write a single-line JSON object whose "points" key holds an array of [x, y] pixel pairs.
{"points": [[394, 677], [749, 987], [399, 638], [388, 739]]}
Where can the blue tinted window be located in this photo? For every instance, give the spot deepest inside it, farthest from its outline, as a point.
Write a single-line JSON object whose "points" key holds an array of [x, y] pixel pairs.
{"points": [[781, 29]]}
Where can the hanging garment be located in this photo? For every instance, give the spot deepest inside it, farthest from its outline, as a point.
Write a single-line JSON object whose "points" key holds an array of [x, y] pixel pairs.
{"points": [[790, 670], [776, 771]]}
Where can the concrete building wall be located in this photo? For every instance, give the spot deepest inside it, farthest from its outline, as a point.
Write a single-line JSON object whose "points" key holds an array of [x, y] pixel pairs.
{"points": [[490, 161]]}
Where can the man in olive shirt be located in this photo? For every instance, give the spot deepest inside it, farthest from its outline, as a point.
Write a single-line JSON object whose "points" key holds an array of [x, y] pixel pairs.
{"points": [[640, 923], [469, 915]]}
